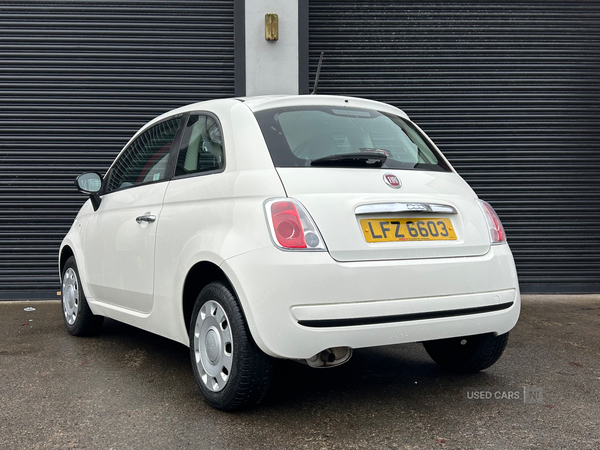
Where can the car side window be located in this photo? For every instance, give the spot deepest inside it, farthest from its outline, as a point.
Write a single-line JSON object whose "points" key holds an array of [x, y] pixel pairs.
{"points": [[146, 158], [201, 146]]}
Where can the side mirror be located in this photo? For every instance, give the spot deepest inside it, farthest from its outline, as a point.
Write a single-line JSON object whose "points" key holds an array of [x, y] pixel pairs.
{"points": [[91, 184]]}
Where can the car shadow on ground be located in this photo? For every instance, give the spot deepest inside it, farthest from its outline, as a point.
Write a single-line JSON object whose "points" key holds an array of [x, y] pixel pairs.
{"points": [[373, 375]]}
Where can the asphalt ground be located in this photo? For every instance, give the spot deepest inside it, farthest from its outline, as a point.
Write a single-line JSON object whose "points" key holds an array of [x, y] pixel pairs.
{"points": [[128, 389]]}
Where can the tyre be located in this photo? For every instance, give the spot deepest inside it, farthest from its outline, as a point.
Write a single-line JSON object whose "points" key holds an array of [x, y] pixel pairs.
{"points": [[77, 315], [467, 354], [231, 371]]}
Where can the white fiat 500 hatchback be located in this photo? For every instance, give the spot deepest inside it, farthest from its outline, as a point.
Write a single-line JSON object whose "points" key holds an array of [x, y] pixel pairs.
{"points": [[295, 227]]}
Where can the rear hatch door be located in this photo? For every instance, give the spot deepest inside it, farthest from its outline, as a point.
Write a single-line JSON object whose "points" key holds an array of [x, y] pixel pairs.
{"points": [[362, 218]]}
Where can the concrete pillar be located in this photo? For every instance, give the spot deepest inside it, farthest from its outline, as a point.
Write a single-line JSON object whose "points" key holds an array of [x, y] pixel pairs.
{"points": [[277, 66]]}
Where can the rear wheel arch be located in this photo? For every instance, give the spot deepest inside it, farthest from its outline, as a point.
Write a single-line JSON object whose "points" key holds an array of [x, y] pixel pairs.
{"points": [[200, 275]]}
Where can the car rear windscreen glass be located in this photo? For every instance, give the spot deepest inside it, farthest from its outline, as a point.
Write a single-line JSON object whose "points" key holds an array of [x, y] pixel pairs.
{"points": [[305, 136]]}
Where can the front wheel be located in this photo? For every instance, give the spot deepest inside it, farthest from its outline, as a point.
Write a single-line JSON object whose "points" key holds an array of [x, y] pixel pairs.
{"points": [[467, 354], [78, 317], [231, 371]]}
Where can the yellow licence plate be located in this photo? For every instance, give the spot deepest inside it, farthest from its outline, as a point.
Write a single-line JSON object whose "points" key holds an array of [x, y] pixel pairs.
{"points": [[393, 230]]}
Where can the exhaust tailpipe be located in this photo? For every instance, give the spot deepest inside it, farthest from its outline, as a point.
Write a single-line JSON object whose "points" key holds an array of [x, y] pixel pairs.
{"points": [[330, 357]]}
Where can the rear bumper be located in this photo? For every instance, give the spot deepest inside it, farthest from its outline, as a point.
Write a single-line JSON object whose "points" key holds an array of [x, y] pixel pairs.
{"points": [[298, 304]]}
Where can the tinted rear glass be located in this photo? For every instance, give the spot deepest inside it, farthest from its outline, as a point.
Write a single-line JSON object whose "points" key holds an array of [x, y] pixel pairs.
{"points": [[300, 136]]}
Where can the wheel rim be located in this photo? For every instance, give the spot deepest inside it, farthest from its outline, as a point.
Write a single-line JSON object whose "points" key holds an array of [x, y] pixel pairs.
{"points": [[70, 296], [213, 346]]}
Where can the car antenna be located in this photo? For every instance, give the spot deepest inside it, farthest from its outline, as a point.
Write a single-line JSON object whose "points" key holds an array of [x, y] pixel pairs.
{"points": [[317, 75]]}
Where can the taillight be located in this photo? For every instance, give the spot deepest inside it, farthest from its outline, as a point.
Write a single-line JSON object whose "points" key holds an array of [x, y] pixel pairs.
{"points": [[497, 234], [291, 227], [287, 225]]}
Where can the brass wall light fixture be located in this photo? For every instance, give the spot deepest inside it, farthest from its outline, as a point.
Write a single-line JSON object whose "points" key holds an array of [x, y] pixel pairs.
{"points": [[271, 27]]}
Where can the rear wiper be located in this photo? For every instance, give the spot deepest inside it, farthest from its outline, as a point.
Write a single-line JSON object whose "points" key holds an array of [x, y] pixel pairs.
{"points": [[351, 160]]}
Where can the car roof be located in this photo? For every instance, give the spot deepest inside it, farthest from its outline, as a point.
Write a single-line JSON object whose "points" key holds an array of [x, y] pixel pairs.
{"points": [[282, 101], [261, 103]]}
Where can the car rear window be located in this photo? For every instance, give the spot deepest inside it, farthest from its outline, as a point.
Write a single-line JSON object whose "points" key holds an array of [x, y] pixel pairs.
{"points": [[345, 137]]}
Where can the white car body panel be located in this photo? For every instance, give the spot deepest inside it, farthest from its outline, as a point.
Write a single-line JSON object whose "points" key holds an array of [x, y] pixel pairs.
{"points": [[332, 196], [210, 226], [324, 288], [219, 219], [129, 280]]}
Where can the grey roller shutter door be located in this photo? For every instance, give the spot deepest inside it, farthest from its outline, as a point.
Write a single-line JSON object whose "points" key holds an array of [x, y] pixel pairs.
{"points": [[77, 79], [509, 91]]}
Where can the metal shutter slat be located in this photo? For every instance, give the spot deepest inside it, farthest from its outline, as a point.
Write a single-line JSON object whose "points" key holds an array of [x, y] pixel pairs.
{"points": [[78, 79], [510, 93]]}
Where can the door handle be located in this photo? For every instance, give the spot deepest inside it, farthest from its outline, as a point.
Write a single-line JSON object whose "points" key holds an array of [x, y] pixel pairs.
{"points": [[146, 218]]}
